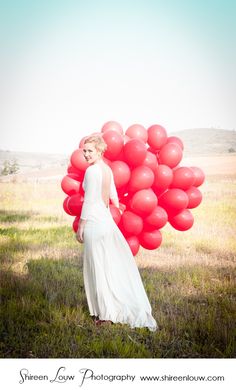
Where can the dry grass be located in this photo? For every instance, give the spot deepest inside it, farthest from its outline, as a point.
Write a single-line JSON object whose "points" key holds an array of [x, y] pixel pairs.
{"points": [[190, 281], [224, 165]]}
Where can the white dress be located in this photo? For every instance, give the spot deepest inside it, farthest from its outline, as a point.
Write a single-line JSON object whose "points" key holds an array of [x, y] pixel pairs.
{"points": [[113, 285]]}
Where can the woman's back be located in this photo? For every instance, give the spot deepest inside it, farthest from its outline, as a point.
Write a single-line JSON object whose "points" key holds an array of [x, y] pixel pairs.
{"points": [[106, 183], [99, 189]]}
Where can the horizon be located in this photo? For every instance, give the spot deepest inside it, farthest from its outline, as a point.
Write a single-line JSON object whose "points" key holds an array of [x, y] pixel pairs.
{"points": [[68, 67], [71, 151]]}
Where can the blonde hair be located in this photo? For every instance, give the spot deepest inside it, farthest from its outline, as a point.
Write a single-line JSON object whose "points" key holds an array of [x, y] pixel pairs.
{"points": [[98, 142]]}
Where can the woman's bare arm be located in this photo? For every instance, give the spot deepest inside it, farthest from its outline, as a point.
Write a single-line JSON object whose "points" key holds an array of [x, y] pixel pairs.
{"points": [[80, 231]]}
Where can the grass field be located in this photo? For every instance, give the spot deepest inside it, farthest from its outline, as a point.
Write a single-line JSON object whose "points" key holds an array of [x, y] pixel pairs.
{"points": [[190, 282]]}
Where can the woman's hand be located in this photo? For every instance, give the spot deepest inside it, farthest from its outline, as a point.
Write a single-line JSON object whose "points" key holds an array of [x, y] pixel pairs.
{"points": [[122, 208], [80, 231]]}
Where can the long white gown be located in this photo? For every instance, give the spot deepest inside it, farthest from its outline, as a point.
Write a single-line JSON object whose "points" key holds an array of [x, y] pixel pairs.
{"points": [[113, 285]]}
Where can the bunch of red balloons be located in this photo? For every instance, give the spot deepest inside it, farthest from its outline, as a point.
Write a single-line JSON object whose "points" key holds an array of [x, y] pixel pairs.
{"points": [[151, 185]]}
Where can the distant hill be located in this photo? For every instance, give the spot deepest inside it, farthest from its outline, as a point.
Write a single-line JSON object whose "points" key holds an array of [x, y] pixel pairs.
{"points": [[34, 161], [207, 141]]}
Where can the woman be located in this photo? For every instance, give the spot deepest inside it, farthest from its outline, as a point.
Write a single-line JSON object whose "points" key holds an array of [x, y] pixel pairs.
{"points": [[113, 285]]}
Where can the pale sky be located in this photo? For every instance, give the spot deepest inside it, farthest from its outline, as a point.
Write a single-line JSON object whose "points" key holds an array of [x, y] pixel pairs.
{"points": [[67, 67]]}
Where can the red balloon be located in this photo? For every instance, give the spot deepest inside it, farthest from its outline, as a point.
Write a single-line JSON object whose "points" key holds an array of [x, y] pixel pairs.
{"points": [[171, 155], [71, 169], [120, 156], [121, 227], [194, 196], [112, 125], [116, 215], [137, 131], [114, 143], [75, 224], [81, 144], [183, 178], [125, 200], [154, 151], [158, 218], [152, 186], [143, 202], [123, 193], [182, 221], [150, 161], [135, 152], [70, 184], [65, 205], [133, 242], [132, 223], [150, 240], [199, 176], [75, 203], [126, 139], [163, 177], [78, 161], [79, 174], [157, 136], [173, 200], [121, 173], [175, 140], [141, 177]]}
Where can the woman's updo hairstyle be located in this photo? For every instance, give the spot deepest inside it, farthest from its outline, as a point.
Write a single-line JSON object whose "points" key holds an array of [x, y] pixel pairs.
{"points": [[98, 142]]}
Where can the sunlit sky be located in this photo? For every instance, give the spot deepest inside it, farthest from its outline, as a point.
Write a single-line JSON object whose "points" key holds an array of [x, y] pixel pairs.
{"points": [[67, 67]]}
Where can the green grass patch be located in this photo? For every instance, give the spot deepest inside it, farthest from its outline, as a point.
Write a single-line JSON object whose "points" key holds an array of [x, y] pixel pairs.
{"points": [[14, 216], [45, 314], [44, 309]]}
